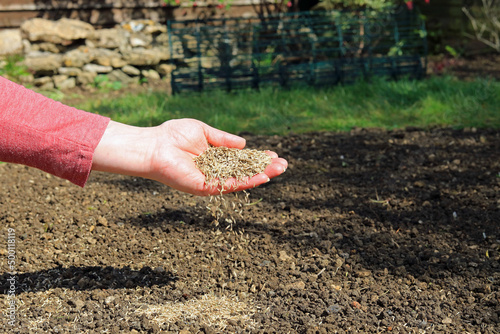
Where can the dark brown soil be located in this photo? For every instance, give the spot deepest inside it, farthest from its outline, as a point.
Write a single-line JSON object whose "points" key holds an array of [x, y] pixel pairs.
{"points": [[368, 231]]}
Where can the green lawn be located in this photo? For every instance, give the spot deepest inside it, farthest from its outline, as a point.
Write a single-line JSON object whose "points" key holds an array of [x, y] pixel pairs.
{"points": [[437, 101]]}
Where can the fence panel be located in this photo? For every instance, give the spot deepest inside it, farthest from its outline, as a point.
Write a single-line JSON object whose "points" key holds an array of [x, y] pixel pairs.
{"points": [[315, 48]]}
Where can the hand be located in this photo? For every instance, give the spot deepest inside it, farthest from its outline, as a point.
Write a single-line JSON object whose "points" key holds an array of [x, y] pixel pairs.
{"points": [[165, 153]]}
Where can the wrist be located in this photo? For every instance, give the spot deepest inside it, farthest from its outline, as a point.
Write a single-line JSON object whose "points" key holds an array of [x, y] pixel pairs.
{"points": [[123, 149]]}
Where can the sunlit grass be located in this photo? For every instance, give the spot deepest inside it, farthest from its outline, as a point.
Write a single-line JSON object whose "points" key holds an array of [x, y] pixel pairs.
{"points": [[438, 101]]}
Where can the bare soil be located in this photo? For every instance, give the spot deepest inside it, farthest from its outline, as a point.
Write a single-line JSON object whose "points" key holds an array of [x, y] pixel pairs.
{"points": [[367, 231]]}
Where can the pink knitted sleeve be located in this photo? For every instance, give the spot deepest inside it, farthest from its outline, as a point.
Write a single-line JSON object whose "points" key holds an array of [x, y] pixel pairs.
{"points": [[39, 132]]}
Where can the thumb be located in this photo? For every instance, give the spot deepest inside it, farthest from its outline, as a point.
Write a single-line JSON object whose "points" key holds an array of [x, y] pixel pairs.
{"points": [[217, 137]]}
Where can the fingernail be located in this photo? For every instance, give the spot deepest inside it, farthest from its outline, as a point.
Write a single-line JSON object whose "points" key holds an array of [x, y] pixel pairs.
{"points": [[268, 179]]}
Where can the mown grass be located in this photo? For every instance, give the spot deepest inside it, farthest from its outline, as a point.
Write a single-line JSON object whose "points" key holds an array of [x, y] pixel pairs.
{"points": [[436, 101]]}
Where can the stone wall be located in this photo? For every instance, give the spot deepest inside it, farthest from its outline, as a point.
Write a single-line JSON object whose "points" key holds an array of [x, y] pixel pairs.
{"points": [[67, 53]]}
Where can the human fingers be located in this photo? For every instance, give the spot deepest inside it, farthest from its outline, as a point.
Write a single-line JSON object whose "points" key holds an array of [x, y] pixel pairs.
{"points": [[278, 164], [218, 137], [272, 154], [277, 167]]}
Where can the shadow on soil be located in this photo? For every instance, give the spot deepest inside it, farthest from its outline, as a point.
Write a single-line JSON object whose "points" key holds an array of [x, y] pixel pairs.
{"points": [[86, 278]]}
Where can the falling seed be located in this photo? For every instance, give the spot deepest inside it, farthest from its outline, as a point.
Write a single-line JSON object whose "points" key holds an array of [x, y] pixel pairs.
{"points": [[219, 164]]}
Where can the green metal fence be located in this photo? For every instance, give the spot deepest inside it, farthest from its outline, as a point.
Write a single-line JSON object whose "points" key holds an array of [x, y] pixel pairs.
{"points": [[313, 48]]}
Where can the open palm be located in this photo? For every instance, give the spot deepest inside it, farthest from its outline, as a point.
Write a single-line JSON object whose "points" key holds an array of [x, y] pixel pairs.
{"points": [[166, 154], [180, 141]]}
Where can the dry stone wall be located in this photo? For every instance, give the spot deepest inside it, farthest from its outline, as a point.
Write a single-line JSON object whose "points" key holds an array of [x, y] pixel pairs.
{"points": [[67, 53]]}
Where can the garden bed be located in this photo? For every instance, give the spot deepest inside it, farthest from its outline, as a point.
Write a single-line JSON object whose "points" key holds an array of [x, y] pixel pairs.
{"points": [[367, 231]]}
